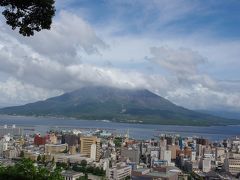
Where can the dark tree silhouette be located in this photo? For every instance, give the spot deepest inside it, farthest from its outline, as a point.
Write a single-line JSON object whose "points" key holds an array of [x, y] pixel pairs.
{"points": [[28, 15]]}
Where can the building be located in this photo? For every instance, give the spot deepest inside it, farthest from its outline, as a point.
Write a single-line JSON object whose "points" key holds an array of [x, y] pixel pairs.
{"points": [[219, 152], [71, 139], [199, 150], [193, 156], [52, 139], [76, 158], [86, 147], [163, 142], [166, 155], [31, 155], [38, 140], [93, 154], [202, 141], [206, 165], [187, 152], [173, 149], [13, 130], [3, 146], [11, 153], [132, 153], [119, 172], [55, 148], [72, 149], [163, 173], [232, 165], [71, 175]]}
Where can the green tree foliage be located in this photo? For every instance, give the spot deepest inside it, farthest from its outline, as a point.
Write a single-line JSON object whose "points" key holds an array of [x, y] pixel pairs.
{"points": [[83, 163], [43, 159], [118, 141], [89, 169], [39, 158], [28, 15], [127, 178], [25, 170], [62, 165]]}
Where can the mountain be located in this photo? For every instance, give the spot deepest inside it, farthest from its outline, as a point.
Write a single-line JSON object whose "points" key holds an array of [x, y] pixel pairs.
{"points": [[222, 113], [120, 105]]}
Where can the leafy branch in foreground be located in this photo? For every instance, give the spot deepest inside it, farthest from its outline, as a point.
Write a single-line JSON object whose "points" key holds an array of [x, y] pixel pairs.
{"points": [[28, 15]]}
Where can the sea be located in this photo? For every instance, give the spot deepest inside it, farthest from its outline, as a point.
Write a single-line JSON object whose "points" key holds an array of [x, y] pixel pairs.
{"points": [[33, 125]]}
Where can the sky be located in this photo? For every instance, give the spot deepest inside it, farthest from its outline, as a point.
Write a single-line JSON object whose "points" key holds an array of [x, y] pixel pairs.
{"points": [[184, 50]]}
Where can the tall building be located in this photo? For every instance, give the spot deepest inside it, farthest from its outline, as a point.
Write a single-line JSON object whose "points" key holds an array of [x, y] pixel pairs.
{"points": [[93, 154], [163, 143], [167, 156], [193, 156], [173, 149], [181, 142], [3, 146], [219, 152], [202, 141], [13, 130], [87, 148], [206, 165]]}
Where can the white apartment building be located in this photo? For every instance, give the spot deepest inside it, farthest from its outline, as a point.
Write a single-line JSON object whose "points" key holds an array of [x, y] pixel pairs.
{"points": [[119, 172], [232, 165]]}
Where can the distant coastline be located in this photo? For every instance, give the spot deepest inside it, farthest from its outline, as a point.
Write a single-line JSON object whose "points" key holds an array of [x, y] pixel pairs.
{"points": [[137, 131], [117, 121]]}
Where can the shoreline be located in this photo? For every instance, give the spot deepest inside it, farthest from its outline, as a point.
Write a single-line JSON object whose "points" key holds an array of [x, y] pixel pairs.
{"points": [[111, 121]]}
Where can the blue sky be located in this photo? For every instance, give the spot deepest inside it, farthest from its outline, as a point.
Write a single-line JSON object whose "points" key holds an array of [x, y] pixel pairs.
{"points": [[184, 50], [220, 18]]}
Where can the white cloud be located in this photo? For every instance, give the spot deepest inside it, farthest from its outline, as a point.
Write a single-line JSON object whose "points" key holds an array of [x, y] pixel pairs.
{"points": [[179, 61], [67, 58], [69, 37], [192, 88], [14, 92], [199, 97]]}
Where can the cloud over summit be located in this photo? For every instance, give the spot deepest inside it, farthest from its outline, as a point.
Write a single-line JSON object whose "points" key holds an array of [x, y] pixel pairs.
{"points": [[73, 54]]}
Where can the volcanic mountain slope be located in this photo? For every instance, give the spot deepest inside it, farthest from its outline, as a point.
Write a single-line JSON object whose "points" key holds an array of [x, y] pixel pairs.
{"points": [[121, 105]]}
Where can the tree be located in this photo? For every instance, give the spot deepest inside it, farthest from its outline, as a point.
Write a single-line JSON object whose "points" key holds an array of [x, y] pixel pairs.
{"points": [[85, 177], [83, 163], [62, 165], [43, 159], [53, 160], [39, 158], [127, 178], [118, 141], [25, 170], [28, 15]]}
